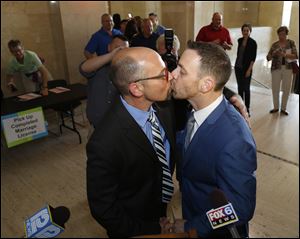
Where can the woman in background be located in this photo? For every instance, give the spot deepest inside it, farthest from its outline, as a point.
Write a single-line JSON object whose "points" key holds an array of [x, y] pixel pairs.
{"points": [[282, 53], [246, 55]]}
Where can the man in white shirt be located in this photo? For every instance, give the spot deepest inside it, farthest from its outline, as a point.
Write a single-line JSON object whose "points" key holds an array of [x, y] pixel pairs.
{"points": [[218, 149]]}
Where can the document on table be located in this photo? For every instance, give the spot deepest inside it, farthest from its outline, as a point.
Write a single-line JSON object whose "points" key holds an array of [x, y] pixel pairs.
{"points": [[59, 89], [28, 96]]}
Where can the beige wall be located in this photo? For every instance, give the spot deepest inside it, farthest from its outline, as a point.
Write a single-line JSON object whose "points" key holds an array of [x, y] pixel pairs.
{"points": [[179, 15], [236, 13], [136, 8], [270, 14], [59, 32], [80, 19], [294, 24], [37, 25]]}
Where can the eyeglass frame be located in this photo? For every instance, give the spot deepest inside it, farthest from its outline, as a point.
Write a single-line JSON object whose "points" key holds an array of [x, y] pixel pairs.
{"points": [[166, 75]]}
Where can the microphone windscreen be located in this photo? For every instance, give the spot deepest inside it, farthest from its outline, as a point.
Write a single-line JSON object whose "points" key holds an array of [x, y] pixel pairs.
{"points": [[218, 198], [60, 215]]}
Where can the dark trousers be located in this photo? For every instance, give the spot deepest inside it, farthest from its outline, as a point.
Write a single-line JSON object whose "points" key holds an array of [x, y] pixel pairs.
{"points": [[243, 85]]}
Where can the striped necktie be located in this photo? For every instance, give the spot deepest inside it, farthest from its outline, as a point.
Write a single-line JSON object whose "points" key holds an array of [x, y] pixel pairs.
{"points": [[167, 183]]}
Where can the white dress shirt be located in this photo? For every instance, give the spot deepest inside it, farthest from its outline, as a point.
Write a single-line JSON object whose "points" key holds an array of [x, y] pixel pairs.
{"points": [[201, 115]]}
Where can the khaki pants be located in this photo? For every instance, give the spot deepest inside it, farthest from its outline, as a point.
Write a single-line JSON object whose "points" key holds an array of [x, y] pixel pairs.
{"points": [[282, 76]]}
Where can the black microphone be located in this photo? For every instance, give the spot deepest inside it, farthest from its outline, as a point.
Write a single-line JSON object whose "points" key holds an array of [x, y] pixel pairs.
{"points": [[60, 215], [219, 199], [48, 222]]}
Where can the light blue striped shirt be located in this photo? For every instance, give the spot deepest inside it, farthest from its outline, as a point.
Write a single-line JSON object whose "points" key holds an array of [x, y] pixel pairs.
{"points": [[141, 117]]}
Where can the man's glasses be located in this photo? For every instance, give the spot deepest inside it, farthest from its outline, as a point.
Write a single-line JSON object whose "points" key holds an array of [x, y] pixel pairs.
{"points": [[165, 76]]}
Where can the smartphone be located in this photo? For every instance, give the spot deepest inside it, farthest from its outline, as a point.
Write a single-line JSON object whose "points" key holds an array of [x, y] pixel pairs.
{"points": [[129, 15]]}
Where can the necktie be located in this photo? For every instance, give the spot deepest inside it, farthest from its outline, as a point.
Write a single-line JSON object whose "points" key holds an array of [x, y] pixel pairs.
{"points": [[167, 183], [189, 130]]}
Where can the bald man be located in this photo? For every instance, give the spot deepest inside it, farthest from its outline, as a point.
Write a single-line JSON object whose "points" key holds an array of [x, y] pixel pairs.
{"points": [[98, 44], [215, 33], [147, 38], [124, 167]]}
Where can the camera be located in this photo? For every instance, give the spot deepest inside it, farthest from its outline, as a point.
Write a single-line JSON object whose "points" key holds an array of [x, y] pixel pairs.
{"points": [[168, 57]]}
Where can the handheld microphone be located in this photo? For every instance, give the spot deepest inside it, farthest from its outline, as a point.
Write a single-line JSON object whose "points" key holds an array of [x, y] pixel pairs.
{"points": [[48, 222], [60, 215], [223, 213]]}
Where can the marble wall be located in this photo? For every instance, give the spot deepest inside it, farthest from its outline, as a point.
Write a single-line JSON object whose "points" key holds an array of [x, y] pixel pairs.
{"points": [[37, 25], [59, 32]]}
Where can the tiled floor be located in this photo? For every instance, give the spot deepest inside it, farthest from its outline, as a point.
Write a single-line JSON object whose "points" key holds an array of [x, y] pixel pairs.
{"points": [[52, 170]]}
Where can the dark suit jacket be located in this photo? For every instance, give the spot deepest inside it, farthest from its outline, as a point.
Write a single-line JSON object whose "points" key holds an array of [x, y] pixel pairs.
{"points": [[124, 175], [222, 154], [249, 53]]}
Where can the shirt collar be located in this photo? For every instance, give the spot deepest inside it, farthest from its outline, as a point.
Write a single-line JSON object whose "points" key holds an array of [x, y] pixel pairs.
{"points": [[213, 29], [140, 116], [201, 115]]}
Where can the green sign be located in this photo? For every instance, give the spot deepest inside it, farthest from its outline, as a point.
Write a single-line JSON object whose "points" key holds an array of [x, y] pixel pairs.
{"points": [[23, 126]]}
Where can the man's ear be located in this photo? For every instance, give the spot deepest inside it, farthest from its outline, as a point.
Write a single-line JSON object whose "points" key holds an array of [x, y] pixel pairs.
{"points": [[206, 84], [136, 89]]}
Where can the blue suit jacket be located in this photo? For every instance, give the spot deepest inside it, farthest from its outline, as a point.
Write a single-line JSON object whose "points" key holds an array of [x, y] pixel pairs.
{"points": [[221, 154]]}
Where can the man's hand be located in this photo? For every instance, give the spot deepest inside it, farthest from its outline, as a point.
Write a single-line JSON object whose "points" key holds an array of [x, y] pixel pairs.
{"points": [[114, 51], [179, 225], [44, 91], [226, 46], [238, 103], [217, 41], [165, 225]]}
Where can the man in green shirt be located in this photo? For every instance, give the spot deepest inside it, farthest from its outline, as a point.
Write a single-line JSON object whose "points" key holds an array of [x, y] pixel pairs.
{"points": [[34, 74]]}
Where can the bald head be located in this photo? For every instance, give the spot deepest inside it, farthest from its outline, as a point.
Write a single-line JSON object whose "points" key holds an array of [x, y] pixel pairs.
{"points": [[131, 64], [216, 20], [107, 22], [147, 27]]}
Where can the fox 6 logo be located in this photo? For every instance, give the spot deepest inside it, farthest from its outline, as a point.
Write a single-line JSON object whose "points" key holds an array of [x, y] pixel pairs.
{"points": [[40, 225], [38, 220], [222, 216], [221, 212]]}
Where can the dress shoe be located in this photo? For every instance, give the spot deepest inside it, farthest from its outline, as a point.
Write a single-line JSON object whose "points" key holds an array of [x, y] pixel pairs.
{"points": [[274, 111], [284, 112]]}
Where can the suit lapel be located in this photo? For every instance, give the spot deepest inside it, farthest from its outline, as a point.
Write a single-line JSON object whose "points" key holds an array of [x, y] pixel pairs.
{"points": [[132, 130], [203, 131]]}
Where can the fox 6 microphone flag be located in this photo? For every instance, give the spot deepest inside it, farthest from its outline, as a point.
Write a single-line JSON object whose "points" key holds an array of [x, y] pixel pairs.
{"points": [[222, 216], [41, 225]]}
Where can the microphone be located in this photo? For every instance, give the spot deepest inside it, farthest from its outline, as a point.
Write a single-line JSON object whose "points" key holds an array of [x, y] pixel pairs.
{"points": [[223, 213], [60, 215], [48, 222]]}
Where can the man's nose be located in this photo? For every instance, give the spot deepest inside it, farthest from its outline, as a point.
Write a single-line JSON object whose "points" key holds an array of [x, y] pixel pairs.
{"points": [[174, 74]]}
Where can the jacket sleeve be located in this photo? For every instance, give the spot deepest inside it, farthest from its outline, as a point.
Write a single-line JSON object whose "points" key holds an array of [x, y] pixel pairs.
{"points": [[253, 51], [103, 171], [236, 176]]}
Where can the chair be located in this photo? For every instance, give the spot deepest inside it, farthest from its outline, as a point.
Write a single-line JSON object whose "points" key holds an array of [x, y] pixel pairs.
{"points": [[65, 109]]}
